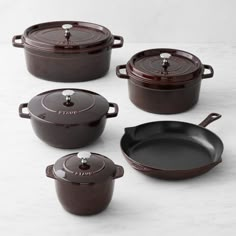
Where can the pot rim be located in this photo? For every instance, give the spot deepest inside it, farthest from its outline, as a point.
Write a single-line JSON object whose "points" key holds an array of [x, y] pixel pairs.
{"points": [[104, 112], [109, 171], [165, 79], [40, 46]]}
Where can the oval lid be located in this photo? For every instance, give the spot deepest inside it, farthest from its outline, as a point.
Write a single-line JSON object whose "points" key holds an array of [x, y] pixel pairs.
{"points": [[66, 35], [84, 168], [165, 66], [68, 106]]}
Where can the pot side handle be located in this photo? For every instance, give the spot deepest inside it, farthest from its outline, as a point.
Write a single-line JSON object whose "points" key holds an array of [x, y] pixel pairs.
{"points": [[119, 74], [120, 44], [115, 113], [15, 44], [21, 113], [209, 75], [119, 172], [210, 118], [49, 172]]}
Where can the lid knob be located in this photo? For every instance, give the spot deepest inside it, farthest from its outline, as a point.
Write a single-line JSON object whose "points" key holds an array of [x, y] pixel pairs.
{"points": [[84, 156], [67, 28], [68, 93], [165, 57]]}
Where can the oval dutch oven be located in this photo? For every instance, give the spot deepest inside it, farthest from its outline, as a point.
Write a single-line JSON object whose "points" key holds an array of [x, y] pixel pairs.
{"points": [[164, 80], [84, 181], [68, 118], [67, 51]]}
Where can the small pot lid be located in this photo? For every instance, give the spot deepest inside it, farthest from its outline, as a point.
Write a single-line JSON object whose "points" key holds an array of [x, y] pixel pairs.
{"points": [[165, 66], [84, 168], [66, 35], [68, 106]]}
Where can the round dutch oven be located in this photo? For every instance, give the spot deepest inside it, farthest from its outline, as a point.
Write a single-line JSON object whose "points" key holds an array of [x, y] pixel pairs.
{"points": [[67, 51], [84, 181], [164, 80], [68, 118]]}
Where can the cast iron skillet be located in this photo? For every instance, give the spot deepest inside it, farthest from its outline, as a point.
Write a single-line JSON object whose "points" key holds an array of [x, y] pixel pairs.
{"points": [[172, 149]]}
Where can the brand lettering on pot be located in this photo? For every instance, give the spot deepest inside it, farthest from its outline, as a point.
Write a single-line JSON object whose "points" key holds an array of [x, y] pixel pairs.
{"points": [[66, 42], [84, 173], [68, 112]]}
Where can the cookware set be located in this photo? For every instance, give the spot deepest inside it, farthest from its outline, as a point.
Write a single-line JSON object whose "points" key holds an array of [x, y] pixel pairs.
{"points": [[161, 80]]}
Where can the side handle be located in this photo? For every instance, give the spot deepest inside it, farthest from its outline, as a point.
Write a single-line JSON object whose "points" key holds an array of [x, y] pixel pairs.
{"points": [[116, 110], [49, 172], [208, 75], [119, 74], [209, 119], [21, 113], [119, 172], [17, 44], [121, 41]]}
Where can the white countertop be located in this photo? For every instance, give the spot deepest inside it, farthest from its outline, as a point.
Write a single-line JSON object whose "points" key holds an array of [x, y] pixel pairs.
{"points": [[205, 205]]}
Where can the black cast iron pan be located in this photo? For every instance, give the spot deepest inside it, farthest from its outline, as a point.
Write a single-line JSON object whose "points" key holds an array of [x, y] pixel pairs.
{"points": [[172, 149]]}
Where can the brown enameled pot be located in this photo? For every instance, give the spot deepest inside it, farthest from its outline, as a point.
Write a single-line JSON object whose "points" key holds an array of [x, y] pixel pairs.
{"points": [[67, 51], [68, 118], [164, 81], [84, 181]]}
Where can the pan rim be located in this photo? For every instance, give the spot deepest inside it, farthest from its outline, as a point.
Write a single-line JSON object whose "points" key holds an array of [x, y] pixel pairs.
{"points": [[151, 168]]}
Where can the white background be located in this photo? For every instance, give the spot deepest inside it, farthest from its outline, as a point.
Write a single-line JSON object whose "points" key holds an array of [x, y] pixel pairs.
{"points": [[205, 205], [182, 21]]}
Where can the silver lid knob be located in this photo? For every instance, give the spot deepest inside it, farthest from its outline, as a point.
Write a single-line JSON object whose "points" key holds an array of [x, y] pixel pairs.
{"points": [[165, 56], [84, 156], [68, 93], [67, 28]]}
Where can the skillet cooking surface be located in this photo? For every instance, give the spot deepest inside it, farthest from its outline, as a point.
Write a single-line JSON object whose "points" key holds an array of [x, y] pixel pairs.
{"points": [[171, 145], [171, 153]]}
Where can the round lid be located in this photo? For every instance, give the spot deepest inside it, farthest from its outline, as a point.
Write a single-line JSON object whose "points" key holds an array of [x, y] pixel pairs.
{"points": [[68, 106], [66, 35], [165, 65], [84, 168]]}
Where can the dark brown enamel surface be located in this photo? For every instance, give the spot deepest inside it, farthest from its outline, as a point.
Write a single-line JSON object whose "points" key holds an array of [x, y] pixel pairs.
{"points": [[84, 55], [71, 126], [51, 35], [97, 169], [85, 106], [182, 66], [165, 91], [80, 193]]}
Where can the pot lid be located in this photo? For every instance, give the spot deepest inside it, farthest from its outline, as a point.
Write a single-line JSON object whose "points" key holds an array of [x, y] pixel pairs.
{"points": [[165, 66], [66, 35], [68, 106], [84, 168]]}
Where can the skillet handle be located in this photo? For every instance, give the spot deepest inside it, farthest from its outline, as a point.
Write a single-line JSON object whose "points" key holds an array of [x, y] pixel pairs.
{"points": [[209, 75], [120, 44], [210, 118], [119, 74], [115, 113]]}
